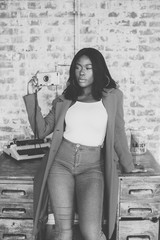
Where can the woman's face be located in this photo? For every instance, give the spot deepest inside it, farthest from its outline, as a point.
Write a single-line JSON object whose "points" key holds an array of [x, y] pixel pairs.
{"points": [[84, 72]]}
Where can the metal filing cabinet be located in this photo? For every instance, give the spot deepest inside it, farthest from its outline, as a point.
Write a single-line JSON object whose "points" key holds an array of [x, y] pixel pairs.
{"points": [[139, 202], [16, 198]]}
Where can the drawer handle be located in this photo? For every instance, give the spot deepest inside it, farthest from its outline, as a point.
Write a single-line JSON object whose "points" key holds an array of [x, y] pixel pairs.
{"points": [[135, 210], [14, 210], [140, 191], [138, 237], [15, 236], [13, 191]]}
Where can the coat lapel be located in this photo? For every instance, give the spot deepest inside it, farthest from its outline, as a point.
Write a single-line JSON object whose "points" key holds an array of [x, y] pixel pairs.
{"points": [[110, 105]]}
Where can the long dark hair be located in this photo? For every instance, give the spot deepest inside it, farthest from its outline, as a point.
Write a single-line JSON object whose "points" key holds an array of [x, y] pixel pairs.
{"points": [[102, 77]]}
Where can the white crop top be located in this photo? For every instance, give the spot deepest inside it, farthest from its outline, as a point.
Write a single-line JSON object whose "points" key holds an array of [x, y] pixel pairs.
{"points": [[86, 123]]}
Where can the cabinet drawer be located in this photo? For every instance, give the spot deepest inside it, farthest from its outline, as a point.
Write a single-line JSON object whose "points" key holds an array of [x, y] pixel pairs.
{"points": [[137, 188], [16, 229], [138, 230], [139, 210], [16, 192], [16, 210]]}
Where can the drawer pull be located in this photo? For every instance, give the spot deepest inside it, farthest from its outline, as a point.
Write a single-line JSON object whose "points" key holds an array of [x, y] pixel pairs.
{"points": [[140, 191], [138, 237], [12, 192], [14, 210], [15, 236], [139, 210]]}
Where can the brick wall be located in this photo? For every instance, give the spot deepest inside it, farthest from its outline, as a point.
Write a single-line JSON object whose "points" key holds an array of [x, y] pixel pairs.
{"points": [[44, 35]]}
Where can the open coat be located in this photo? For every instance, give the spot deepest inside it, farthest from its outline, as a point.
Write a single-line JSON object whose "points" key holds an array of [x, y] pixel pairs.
{"points": [[115, 142]]}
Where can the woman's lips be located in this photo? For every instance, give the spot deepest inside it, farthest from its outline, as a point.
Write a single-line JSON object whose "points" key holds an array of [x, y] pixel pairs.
{"points": [[82, 80]]}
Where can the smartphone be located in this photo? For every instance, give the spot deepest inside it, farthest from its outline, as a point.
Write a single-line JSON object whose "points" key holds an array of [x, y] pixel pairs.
{"points": [[48, 78]]}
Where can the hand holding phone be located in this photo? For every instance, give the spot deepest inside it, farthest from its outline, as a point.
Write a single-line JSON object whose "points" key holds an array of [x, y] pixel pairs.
{"points": [[32, 86], [42, 79]]}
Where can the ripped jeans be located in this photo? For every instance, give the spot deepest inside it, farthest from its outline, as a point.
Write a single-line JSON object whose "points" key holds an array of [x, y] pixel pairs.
{"points": [[77, 173]]}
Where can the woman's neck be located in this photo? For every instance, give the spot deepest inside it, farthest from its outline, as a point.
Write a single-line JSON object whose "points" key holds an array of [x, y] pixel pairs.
{"points": [[86, 97]]}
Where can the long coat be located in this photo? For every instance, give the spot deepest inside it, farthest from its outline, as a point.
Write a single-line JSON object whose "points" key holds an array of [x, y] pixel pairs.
{"points": [[115, 142]]}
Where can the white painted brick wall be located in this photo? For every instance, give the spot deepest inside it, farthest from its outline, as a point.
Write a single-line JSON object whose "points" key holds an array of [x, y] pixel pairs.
{"points": [[38, 35]]}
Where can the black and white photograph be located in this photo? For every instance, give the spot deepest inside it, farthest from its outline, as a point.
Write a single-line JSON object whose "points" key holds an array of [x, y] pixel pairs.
{"points": [[79, 119]]}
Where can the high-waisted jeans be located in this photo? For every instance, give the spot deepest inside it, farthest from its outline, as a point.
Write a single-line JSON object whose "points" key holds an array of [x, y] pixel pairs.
{"points": [[77, 173]]}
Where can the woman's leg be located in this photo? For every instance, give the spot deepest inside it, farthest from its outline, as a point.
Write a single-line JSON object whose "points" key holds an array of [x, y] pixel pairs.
{"points": [[61, 191], [89, 190]]}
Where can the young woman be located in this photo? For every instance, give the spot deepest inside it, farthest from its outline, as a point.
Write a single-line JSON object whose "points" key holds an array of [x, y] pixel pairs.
{"points": [[88, 129]]}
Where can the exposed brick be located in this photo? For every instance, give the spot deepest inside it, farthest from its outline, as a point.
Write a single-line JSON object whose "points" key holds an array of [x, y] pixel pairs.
{"points": [[6, 65], [150, 15], [7, 47], [3, 5], [132, 14], [8, 14], [113, 14], [146, 32], [139, 23], [154, 40], [154, 24], [144, 48], [50, 5], [34, 5]]}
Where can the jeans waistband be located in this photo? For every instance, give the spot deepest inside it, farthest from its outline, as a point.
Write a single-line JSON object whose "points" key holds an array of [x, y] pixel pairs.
{"points": [[77, 145]]}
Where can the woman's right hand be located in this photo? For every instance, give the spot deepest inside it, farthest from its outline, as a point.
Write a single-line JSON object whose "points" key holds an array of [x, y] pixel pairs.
{"points": [[33, 85]]}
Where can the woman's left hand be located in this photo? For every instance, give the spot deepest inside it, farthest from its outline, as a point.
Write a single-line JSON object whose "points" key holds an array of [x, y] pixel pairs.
{"points": [[33, 86], [138, 169]]}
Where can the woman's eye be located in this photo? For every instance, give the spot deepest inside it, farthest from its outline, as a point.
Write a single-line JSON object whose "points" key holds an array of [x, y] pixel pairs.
{"points": [[89, 68], [77, 67]]}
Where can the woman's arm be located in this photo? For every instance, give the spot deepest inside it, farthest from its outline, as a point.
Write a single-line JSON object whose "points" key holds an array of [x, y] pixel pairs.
{"points": [[121, 144], [44, 126]]}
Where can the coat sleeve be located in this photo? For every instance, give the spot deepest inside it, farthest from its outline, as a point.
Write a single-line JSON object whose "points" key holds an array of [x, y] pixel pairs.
{"points": [[44, 125], [120, 139]]}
